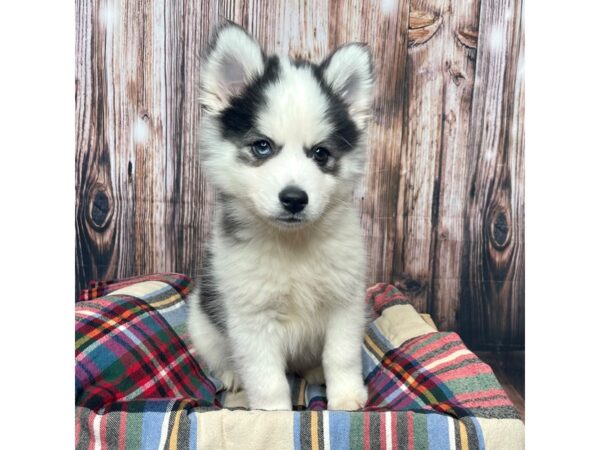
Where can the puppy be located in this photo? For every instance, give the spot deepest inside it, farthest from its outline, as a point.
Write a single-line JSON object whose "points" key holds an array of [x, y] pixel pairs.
{"points": [[282, 283]]}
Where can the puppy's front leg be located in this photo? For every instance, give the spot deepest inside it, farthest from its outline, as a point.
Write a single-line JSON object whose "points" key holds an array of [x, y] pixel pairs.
{"points": [[261, 366], [342, 358]]}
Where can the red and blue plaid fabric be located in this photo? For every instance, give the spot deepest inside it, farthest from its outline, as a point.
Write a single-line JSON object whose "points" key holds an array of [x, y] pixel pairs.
{"points": [[138, 384], [177, 281]]}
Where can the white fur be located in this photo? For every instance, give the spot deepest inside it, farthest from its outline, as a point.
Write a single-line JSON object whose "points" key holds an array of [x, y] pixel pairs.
{"points": [[293, 296]]}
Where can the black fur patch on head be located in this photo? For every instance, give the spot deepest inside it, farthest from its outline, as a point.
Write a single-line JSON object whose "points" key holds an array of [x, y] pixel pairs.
{"points": [[239, 118], [346, 134], [211, 301]]}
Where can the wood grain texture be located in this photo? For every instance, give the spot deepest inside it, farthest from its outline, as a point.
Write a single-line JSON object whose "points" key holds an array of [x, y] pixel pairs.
{"points": [[441, 204], [455, 70], [492, 287]]}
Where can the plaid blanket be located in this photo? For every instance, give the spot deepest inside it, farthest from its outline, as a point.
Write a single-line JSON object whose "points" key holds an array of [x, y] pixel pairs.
{"points": [[138, 384]]}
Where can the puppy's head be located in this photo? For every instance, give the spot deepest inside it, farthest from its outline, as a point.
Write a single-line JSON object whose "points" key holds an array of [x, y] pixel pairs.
{"points": [[282, 137]]}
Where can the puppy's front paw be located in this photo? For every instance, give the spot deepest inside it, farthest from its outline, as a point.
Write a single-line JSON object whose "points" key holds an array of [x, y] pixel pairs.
{"points": [[231, 382], [348, 399]]}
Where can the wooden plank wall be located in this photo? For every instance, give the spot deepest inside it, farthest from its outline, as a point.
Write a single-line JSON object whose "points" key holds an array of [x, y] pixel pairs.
{"points": [[442, 203]]}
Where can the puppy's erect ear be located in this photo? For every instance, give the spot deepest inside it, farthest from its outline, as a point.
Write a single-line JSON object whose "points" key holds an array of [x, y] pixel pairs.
{"points": [[349, 73], [234, 60]]}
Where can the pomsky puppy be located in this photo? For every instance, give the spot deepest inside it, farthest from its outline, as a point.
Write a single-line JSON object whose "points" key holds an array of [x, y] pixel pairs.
{"points": [[282, 284]]}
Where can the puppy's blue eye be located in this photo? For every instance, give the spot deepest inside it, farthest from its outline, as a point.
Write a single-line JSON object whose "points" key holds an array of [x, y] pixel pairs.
{"points": [[321, 155], [262, 149]]}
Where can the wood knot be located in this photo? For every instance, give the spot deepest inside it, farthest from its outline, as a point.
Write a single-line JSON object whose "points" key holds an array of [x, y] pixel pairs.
{"points": [[422, 26], [99, 208], [468, 37], [500, 229], [408, 285], [456, 74]]}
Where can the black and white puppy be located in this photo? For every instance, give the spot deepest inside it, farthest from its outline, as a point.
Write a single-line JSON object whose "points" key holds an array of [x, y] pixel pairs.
{"points": [[282, 285]]}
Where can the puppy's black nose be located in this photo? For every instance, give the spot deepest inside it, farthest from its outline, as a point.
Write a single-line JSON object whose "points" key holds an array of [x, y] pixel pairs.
{"points": [[293, 199]]}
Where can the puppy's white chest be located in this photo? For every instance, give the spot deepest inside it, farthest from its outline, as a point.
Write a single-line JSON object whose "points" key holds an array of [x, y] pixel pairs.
{"points": [[271, 285], [292, 285]]}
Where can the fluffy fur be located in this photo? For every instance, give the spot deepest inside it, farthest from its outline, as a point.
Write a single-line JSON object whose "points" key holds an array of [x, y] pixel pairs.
{"points": [[282, 289]]}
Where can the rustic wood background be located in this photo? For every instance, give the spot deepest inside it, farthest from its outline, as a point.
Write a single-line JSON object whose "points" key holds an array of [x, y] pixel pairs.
{"points": [[442, 204]]}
